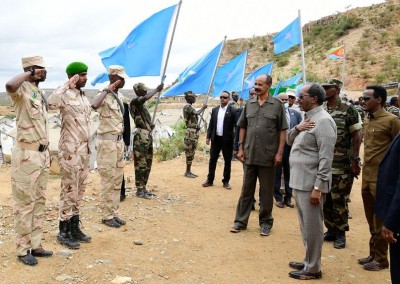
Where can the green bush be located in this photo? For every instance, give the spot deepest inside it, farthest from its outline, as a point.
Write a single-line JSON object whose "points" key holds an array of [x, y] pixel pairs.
{"points": [[172, 147]]}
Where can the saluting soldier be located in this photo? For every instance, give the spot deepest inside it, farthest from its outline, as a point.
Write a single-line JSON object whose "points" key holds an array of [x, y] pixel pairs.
{"points": [[30, 160], [110, 144], [191, 117], [74, 152], [142, 140]]}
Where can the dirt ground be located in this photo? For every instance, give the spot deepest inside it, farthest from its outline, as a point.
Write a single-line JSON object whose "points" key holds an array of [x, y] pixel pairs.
{"points": [[184, 234]]}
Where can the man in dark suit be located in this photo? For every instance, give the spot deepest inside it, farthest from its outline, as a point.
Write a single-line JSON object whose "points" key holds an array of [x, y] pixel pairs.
{"points": [[387, 204], [293, 118], [220, 133]]}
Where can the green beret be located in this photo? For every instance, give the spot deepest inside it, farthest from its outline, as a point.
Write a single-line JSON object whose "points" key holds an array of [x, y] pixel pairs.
{"points": [[76, 68]]}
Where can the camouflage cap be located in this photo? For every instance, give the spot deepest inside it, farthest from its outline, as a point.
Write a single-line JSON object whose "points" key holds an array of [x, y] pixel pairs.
{"points": [[35, 60], [189, 94], [333, 82], [140, 86], [117, 70]]}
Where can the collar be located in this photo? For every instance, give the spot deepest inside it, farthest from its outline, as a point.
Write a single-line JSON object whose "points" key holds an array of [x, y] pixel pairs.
{"points": [[310, 113], [378, 113]]}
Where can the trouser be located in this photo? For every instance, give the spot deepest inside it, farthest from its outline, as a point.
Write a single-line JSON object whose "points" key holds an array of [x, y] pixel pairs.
{"points": [[378, 246], [216, 146], [336, 213], [110, 163], [266, 177], [29, 174], [286, 176], [394, 250], [311, 219], [191, 139], [143, 158], [74, 169]]}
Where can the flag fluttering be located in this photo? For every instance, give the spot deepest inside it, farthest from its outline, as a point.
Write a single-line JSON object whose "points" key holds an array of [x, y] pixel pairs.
{"points": [[251, 78], [336, 52], [101, 78], [288, 37], [229, 77], [141, 53], [198, 76]]}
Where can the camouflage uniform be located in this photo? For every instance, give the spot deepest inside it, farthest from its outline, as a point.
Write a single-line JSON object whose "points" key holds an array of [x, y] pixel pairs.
{"points": [[29, 167], [142, 142], [394, 110], [192, 132], [347, 121], [110, 153], [74, 151], [360, 111]]}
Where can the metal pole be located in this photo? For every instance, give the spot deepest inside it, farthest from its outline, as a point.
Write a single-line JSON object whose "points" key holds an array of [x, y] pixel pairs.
{"points": [[244, 72], [166, 61], [344, 66], [303, 61]]}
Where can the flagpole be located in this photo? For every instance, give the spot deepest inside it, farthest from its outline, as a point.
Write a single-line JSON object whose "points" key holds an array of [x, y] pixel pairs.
{"points": [[166, 61], [244, 72], [212, 80], [344, 66], [303, 61]]}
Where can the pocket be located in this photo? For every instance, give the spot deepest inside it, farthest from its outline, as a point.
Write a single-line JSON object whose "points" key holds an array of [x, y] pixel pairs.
{"points": [[270, 121], [251, 119], [35, 110]]}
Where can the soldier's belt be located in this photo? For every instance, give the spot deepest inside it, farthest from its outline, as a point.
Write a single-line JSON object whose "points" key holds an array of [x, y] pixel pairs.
{"points": [[108, 136], [36, 146], [144, 131]]}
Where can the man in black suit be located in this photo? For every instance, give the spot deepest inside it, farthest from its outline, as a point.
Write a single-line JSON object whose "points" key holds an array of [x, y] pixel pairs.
{"points": [[220, 132], [387, 203]]}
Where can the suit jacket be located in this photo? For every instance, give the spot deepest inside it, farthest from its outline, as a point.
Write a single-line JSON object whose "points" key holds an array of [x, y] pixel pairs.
{"points": [[230, 120], [387, 201], [295, 117]]}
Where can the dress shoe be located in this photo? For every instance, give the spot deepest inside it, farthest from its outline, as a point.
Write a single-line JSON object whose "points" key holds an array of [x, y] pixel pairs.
{"points": [[119, 221], [365, 260], [279, 204], [28, 259], [296, 265], [207, 183], [340, 241], [304, 275], [253, 208], [265, 231], [237, 228], [375, 266], [122, 198], [226, 185], [289, 204], [111, 223], [41, 252], [329, 236]]}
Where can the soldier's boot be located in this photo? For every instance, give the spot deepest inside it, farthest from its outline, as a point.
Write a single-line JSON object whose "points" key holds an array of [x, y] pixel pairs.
{"points": [[76, 231], [141, 193], [64, 236], [340, 241]]}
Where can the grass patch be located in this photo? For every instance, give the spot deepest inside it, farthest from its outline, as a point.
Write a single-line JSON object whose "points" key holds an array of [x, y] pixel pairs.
{"points": [[172, 147]]}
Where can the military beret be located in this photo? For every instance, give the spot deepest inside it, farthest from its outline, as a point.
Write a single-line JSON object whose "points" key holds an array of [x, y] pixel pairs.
{"points": [[76, 68]]}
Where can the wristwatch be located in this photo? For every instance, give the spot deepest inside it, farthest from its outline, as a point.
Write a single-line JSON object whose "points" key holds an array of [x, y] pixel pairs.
{"points": [[106, 90], [240, 143]]}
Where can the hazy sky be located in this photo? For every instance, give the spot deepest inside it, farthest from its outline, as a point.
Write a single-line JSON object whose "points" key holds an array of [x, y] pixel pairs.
{"points": [[67, 31]]}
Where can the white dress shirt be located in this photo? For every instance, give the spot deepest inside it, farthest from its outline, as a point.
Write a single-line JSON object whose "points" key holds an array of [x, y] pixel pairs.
{"points": [[220, 120]]}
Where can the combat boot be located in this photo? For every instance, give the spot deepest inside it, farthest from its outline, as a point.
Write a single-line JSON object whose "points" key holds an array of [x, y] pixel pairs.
{"points": [[340, 241], [76, 232], [64, 236], [141, 193]]}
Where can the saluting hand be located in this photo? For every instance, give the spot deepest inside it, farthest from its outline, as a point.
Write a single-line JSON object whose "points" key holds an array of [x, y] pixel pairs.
{"points": [[72, 81]]}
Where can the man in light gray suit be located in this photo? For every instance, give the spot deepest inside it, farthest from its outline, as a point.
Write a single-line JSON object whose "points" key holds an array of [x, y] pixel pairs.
{"points": [[313, 143]]}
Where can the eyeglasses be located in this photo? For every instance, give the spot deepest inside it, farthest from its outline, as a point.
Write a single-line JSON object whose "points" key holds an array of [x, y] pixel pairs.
{"points": [[302, 96], [223, 97], [366, 99]]}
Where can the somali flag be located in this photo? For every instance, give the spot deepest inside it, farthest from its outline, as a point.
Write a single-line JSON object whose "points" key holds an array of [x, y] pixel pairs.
{"points": [[288, 37]]}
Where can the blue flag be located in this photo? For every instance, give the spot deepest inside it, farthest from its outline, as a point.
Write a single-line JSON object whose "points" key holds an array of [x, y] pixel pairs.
{"points": [[198, 76], [229, 77], [292, 81], [141, 53], [288, 37], [251, 78], [277, 88], [101, 78]]}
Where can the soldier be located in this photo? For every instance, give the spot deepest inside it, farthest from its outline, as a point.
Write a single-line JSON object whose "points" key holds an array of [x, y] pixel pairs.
{"points": [[345, 165], [143, 140], [394, 106], [192, 130], [234, 103], [30, 160], [74, 152], [110, 145]]}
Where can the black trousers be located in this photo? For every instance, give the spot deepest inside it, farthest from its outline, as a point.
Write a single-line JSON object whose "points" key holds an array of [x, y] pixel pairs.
{"points": [[286, 176], [217, 145], [394, 250]]}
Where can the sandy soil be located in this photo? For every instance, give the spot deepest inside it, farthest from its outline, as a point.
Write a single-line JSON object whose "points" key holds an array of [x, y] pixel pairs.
{"points": [[185, 236]]}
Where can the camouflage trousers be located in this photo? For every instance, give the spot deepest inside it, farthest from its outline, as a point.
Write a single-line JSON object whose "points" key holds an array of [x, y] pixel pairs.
{"points": [[143, 158], [74, 169], [110, 164], [29, 174], [336, 212], [191, 140]]}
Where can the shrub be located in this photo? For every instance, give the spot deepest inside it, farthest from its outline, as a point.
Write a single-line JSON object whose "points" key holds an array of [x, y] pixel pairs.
{"points": [[172, 147]]}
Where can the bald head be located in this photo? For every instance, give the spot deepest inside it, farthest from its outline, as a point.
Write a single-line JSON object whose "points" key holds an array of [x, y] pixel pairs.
{"points": [[283, 97]]}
